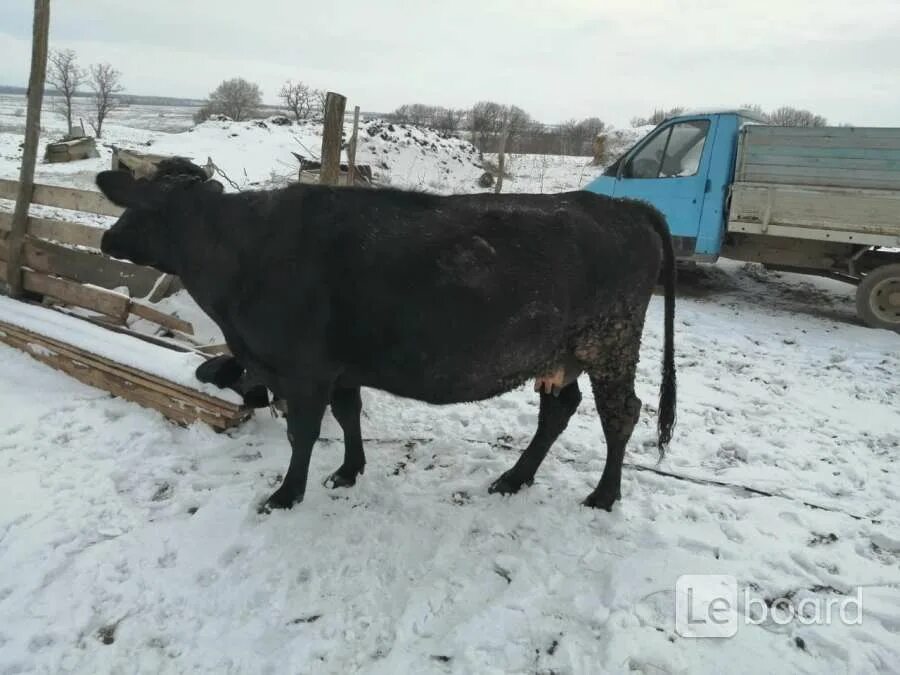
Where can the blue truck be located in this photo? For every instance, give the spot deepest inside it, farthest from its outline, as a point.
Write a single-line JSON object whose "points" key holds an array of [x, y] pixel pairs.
{"points": [[815, 200]]}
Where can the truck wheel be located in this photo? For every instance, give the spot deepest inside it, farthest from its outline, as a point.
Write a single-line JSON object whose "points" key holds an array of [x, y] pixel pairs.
{"points": [[878, 298]]}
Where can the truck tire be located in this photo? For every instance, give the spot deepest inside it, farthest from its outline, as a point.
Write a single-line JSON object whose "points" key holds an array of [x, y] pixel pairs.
{"points": [[878, 298]]}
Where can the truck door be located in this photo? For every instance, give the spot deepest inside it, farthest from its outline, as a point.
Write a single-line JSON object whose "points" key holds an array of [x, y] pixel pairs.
{"points": [[669, 170]]}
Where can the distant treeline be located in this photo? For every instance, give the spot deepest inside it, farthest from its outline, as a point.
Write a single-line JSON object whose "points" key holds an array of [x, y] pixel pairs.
{"points": [[126, 99]]}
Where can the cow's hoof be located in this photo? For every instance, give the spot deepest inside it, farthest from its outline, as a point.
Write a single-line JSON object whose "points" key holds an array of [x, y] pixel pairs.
{"points": [[280, 499], [508, 484], [602, 500], [343, 478]]}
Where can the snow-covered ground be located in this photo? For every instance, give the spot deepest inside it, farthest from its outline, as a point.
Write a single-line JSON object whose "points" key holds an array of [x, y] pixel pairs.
{"points": [[128, 544], [155, 117]]}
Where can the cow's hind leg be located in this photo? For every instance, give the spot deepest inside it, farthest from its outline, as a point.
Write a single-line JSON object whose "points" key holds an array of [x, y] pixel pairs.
{"points": [[346, 406], [553, 418], [619, 409]]}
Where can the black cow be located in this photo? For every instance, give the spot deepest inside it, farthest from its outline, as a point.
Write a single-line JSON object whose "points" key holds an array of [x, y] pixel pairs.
{"points": [[320, 291]]}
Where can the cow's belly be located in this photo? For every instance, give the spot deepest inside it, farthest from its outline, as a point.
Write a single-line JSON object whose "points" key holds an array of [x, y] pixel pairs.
{"points": [[457, 371]]}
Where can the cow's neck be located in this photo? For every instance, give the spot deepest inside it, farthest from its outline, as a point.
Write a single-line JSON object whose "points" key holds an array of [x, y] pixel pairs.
{"points": [[211, 251]]}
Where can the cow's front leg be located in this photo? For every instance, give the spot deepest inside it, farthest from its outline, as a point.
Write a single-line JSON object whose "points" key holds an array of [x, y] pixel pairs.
{"points": [[304, 419], [346, 406]]}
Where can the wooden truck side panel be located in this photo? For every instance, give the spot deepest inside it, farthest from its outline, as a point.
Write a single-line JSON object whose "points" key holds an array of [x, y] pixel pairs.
{"points": [[849, 215], [831, 183], [846, 157]]}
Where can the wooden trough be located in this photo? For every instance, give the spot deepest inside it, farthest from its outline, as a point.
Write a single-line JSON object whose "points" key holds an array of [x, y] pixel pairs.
{"points": [[310, 172], [84, 355], [63, 266], [138, 164], [71, 150]]}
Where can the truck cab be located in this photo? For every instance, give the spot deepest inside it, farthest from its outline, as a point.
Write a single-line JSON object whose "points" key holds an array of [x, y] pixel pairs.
{"points": [[684, 167]]}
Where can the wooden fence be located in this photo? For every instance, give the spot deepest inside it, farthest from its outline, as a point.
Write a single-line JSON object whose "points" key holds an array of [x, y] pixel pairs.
{"points": [[62, 263], [62, 259]]}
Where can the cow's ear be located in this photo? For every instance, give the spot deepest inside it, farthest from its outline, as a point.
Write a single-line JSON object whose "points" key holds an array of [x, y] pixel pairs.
{"points": [[120, 188], [214, 186]]}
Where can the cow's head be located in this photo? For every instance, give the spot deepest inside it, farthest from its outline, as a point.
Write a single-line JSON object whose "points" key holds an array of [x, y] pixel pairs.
{"points": [[155, 209]]}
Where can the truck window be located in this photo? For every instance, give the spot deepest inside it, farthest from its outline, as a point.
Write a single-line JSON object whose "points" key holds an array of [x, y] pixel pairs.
{"points": [[674, 152], [646, 163]]}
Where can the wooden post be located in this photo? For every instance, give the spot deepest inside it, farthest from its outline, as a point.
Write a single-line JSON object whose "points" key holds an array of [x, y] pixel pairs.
{"points": [[19, 224], [332, 134], [351, 149], [501, 162]]}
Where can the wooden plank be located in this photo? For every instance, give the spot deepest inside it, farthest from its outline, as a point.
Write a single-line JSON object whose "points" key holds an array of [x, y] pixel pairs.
{"points": [[75, 234], [805, 151], [758, 159], [176, 402], [834, 213], [824, 176], [88, 201], [847, 135], [95, 299], [81, 369], [124, 330], [163, 319], [214, 350], [99, 300], [828, 141], [88, 267], [160, 386], [810, 232], [150, 381]]}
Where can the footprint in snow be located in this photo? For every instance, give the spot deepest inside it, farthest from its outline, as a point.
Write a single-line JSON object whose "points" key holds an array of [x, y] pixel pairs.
{"points": [[231, 554], [207, 577], [167, 560], [40, 642]]}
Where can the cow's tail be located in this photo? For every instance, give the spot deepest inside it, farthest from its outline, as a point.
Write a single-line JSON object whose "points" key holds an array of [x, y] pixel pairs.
{"points": [[667, 388]]}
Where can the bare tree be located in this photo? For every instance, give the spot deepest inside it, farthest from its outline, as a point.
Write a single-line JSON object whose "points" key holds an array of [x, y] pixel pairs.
{"points": [[514, 122], [490, 122], [436, 117], [237, 98], [592, 139], [659, 115], [418, 114], [318, 98], [105, 82], [568, 136], [484, 120], [297, 96], [449, 120], [786, 116], [65, 77], [755, 108]]}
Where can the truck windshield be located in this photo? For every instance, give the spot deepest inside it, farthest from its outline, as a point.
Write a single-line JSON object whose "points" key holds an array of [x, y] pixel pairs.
{"points": [[674, 151]]}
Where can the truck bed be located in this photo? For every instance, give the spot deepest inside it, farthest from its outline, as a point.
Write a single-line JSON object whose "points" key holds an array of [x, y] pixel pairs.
{"points": [[833, 183]]}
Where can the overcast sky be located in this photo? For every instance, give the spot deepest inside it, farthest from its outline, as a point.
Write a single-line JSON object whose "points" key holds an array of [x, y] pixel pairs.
{"points": [[556, 58]]}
